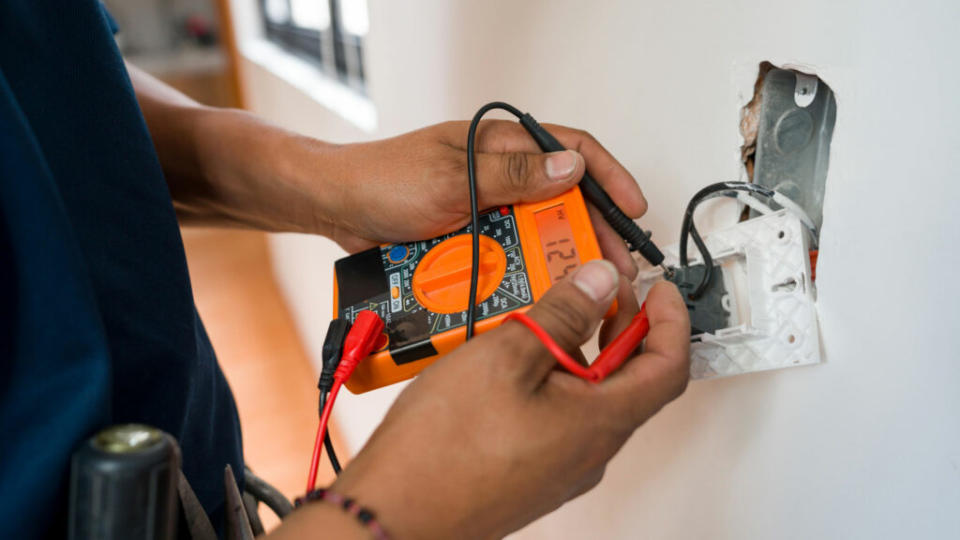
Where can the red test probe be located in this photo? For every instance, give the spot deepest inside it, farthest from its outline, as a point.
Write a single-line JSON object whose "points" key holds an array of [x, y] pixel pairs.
{"points": [[364, 337], [610, 358]]}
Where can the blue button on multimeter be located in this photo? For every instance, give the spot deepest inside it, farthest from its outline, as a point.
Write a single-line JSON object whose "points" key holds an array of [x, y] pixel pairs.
{"points": [[398, 254]]}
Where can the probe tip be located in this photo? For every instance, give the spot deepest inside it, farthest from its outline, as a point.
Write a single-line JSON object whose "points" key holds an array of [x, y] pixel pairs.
{"points": [[666, 271]]}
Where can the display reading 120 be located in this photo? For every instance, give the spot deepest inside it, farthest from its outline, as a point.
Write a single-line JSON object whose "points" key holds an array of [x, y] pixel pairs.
{"points": [[556, 239]]}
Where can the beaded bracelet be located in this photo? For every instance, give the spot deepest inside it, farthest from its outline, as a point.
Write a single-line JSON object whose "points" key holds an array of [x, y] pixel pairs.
{"points": [[350, 506]]}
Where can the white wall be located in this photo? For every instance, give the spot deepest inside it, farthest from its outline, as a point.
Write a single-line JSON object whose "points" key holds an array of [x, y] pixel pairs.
{"points": [[865, 445]]}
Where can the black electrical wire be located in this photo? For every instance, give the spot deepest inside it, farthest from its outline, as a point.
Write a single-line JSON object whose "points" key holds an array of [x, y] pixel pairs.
{"points": [[331, 353], [474, 208], [327, 443], [704, 254], [263, 492], [689, 229]]}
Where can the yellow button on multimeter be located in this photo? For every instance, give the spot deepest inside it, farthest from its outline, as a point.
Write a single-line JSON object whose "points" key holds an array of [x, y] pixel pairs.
{"points": [[420, 289]]}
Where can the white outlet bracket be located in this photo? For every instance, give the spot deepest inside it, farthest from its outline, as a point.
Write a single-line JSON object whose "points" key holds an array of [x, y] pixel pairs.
{"points": [[765, 266]]}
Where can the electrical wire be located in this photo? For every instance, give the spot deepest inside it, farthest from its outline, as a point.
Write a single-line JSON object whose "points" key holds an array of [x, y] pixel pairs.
{"points": [[704, 254], [321, 435], [332, 353], [611, 357], [327, 443], [752, 202], [343, 353], [786, 203], [688, 229], [265, 493], [474, 208], [730, 189]]}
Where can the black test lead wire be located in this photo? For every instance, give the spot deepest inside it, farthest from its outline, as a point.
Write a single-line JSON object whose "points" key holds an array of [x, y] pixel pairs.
{"points": [[474, 208], [330, 354]]}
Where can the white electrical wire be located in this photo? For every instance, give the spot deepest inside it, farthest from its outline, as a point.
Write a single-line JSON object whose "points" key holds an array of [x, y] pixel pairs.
{"points": [[796, 210], [781, 199], [753, 202]]}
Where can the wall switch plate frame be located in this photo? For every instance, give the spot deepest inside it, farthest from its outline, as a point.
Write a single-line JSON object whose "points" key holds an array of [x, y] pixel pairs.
{"points": [[765, 266]]}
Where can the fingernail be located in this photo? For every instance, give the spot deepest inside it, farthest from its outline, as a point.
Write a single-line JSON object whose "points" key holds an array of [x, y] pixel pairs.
{"points": [[597, 279], [560, 165]]}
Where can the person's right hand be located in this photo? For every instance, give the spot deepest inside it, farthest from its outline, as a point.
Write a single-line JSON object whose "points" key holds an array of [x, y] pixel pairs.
{"points": [[492, 436]]}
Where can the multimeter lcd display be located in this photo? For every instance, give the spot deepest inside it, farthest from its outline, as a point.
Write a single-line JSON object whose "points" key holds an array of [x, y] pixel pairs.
{"points": [[556, 239]]}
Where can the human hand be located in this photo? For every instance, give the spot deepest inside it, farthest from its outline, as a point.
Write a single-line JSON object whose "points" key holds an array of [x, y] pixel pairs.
{"points": [[492, 436], [228, 168], [414, 186]]}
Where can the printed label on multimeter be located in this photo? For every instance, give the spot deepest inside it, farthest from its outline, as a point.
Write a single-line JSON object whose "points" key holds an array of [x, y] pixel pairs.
{"points": [[386, 280]]}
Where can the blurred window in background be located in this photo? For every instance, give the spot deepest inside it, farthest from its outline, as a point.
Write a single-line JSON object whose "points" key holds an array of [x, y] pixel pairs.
{"points": [[327, 33]]}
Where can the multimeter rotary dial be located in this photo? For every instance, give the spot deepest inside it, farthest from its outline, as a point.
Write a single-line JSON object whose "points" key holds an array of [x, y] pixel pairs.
{"points": [[443, 276]]}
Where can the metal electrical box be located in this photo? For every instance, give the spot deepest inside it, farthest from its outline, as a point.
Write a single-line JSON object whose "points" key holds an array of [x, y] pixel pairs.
{"points": [[797, 115]]}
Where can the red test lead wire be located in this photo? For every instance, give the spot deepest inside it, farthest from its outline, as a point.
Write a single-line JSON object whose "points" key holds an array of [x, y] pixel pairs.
{"points": [[321, 433], [610, 358], [364, 337]]}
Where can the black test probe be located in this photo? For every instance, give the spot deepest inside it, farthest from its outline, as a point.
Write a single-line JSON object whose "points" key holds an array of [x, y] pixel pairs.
{"points": [[636, 238]]}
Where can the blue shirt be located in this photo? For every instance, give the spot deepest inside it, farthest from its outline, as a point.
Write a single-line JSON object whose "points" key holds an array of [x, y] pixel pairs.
{"points": [[97, 320]]}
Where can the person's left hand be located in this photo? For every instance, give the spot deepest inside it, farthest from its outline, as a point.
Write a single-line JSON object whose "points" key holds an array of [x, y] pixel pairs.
{"points": [[492, 435], [414, 186]]}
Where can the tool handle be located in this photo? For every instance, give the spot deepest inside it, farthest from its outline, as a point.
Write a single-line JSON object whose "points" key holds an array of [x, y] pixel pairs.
{"points": [[123, 484], [636, 238]]}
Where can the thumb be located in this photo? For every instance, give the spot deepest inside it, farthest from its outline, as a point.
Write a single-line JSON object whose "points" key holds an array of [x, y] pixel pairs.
{"points": [[570, 313], [512, 177]]}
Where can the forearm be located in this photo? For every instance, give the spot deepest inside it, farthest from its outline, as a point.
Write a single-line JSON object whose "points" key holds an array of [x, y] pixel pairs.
{"points": [[226, 167]]}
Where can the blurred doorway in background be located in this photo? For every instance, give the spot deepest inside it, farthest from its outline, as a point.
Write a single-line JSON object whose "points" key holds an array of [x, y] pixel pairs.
{"points": [[185, 43]]}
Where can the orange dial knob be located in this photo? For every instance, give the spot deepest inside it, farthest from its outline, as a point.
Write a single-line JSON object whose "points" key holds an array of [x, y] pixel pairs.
{"points": [[441, 282]]}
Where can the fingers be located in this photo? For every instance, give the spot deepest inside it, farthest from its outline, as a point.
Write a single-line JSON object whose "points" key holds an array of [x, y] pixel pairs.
{"points": [[615, 179], [627, 307], [651, 380], [512, 177], [569, 313], [507, 136]]}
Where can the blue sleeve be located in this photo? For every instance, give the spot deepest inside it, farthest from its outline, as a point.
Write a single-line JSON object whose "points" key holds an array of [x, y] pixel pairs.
{"points": [[111, 22], [54, 360]]}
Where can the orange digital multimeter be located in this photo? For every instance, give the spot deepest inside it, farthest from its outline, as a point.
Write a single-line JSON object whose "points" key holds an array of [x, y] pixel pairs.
{"points": [[420, 289]]}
